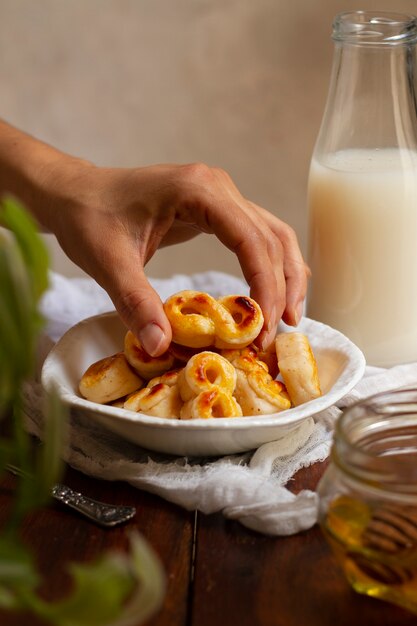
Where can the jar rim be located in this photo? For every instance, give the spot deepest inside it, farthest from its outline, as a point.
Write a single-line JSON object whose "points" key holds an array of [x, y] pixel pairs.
{"points": [[367, 426], [375, 28]]}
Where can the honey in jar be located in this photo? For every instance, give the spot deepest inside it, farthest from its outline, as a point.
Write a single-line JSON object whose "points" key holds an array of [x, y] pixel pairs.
{"points": [[368, 497]]}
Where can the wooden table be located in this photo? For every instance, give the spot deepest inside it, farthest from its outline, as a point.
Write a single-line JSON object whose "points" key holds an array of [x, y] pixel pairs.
{"points": [[218, 572]]}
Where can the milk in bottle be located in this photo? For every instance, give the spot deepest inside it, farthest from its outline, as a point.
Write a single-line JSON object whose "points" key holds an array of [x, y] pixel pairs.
{"points": [[362, 193]]}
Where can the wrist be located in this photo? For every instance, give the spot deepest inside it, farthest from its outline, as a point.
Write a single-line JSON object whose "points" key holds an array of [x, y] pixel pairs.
{"points": [[61, 186], [43, 178]]}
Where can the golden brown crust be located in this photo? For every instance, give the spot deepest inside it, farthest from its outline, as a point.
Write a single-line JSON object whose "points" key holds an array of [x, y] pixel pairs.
{"points": [[212, 403], [108, 379], [203, 372], [298, 367], [198, 320], [229, 377], [159, 400], [145, 365], [256, 391]]}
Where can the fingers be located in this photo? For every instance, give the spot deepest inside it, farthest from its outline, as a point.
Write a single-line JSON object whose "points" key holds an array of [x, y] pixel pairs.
{"points": [[295, 270], [269, 332], [112, 248], [268, 255], [138, 305], [141, 310], [140, 210], [231, 219], [259, 258]]}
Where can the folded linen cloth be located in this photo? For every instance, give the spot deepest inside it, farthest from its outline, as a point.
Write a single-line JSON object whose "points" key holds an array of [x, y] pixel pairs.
{"points": [[249, 487]]}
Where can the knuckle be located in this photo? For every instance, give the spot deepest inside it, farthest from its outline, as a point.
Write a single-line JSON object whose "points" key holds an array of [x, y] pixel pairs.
{"points": [[196, 173], [222, 174], [288, 235], [257, 237]]}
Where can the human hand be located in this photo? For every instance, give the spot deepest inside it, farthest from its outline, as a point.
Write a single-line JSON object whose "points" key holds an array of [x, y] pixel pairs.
{"points": [[111, 221]]}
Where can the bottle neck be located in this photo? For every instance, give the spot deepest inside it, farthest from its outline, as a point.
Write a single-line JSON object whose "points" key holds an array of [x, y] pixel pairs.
{"points": [[372, 95]]}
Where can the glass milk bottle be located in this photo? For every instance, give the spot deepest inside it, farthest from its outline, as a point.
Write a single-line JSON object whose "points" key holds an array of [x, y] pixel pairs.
{"points": [[362, 191]]}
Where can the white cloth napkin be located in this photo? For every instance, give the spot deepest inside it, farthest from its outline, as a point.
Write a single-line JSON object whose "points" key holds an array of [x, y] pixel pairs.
{"points": [[248, 487]]}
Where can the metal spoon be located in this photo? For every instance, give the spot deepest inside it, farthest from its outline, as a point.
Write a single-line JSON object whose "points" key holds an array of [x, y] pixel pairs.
{"points": [[104, 514]]}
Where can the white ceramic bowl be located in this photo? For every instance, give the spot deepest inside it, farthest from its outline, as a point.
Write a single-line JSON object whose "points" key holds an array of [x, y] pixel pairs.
{"points": [[341, 365]]}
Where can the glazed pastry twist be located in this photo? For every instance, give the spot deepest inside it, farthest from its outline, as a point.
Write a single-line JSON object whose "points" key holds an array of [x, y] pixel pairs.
{"points": [[199, 321], [268, 357], [204, 372], [256, 391], [145, 365], [109, 379], [159, 398], [213, 403], [259, 394], [298, 367]]}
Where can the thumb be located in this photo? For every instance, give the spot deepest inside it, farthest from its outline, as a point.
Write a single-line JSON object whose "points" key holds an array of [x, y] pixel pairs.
{"points": [[141, 309]]}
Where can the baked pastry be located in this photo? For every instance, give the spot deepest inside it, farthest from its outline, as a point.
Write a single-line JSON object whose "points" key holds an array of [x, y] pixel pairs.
{"points": [[198, 320], [119, 403], [160, 401], [169, 378], [256, 391], [298, 367], [182, 354], [223, 373], [109, 379], [268, 357], [144, 364], [259, 394], [204, 372], [159, 398], [212, 403]]}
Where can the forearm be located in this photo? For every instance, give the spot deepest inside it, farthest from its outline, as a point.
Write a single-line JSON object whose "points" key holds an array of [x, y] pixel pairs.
{"points": [[36, 173]]}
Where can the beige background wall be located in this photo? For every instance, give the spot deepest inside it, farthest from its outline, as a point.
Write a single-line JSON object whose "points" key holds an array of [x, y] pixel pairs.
{"points": [[239, 84]]}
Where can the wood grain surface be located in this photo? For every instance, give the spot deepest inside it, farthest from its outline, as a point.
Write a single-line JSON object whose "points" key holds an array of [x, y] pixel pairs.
{"points": [[218, 572]]}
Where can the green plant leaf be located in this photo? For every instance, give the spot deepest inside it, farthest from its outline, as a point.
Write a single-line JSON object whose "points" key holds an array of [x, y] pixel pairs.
{"points": [[14, 217], [55, 438], [23, 278], [17, 572], [117, 590]]}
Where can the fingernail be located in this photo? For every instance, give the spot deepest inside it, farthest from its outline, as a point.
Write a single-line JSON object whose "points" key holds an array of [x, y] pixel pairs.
{"points": [[265, 345], [298, 313], [273, 322], [151, 338]]}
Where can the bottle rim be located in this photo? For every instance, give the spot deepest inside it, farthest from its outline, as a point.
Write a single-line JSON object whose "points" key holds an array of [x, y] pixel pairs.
{"points": [[370, 28], [369, 436]]}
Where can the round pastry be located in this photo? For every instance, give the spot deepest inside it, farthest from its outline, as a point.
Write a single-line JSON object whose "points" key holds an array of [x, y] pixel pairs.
{"points": [[109, 379], [198, 320], [213, 403], [159, 400], [268, 357], [145, 365], [256, 391], [246, 360], [205, 371]]}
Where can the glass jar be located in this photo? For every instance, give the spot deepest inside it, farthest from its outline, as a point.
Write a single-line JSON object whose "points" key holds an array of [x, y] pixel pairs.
{"points": [[368, 497], [362, 191]]}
